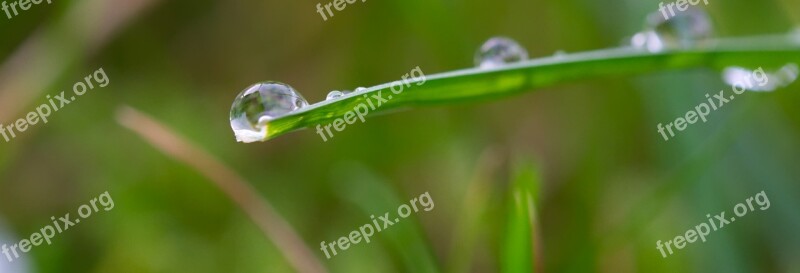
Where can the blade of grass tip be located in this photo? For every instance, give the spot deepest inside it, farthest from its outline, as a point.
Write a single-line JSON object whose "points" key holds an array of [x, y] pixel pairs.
{"points": [[374, 196], [518, 250], [483, 84], [47, 53], [260, 211], [473, 212]]}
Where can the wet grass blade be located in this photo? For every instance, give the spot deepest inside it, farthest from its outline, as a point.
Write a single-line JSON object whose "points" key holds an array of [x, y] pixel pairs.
{"points": [[484, 84]]}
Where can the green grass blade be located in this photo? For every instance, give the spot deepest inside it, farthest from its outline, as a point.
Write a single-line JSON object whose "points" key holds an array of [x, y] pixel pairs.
{"points": [[519, 244], [375, 196], [483, 84], [476, 213]]}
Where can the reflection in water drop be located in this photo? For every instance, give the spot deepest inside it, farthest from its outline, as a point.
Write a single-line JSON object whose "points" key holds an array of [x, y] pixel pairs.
{"points": [[647, 40], [687, 29], [260, 103], [499, 51], [758, 80], [336, 94]]}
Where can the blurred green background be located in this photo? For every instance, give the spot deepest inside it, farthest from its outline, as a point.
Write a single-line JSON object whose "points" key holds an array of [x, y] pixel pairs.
{"points": [[610, 187]]}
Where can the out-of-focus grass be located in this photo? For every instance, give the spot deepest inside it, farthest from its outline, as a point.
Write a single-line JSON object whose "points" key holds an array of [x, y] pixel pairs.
{"points": [[517, 253], [475, 212], [374, 196]]}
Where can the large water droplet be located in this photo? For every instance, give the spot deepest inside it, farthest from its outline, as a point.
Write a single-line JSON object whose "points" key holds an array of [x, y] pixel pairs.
{"points": [[260, 103], [499, 51], [335, 94], [690, 28], [758, 80]]}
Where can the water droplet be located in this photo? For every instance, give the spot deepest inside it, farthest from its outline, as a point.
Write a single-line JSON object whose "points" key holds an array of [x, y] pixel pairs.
{"points": [[690, 28], [336, 94], [560, 54], [647, 40], [499, 51], [260, 103], [359, 89], [758, 80]]}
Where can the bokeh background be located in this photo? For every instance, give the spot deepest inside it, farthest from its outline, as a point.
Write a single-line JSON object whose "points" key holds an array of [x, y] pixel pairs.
{"points": [[610, 187]]}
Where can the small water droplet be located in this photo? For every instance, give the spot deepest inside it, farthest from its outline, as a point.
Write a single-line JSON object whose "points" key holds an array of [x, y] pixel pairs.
{"points": [[647, 40], [560, 54], [335, 94], [499, 51], [359, 89], [690, 28], [260, 103], [758, 80]]}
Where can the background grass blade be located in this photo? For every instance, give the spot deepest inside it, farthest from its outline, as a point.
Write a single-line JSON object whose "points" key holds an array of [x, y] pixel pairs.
{"points": [[374, 196], [259, 209], [474, 84], [519, 243], [475, 214]]}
